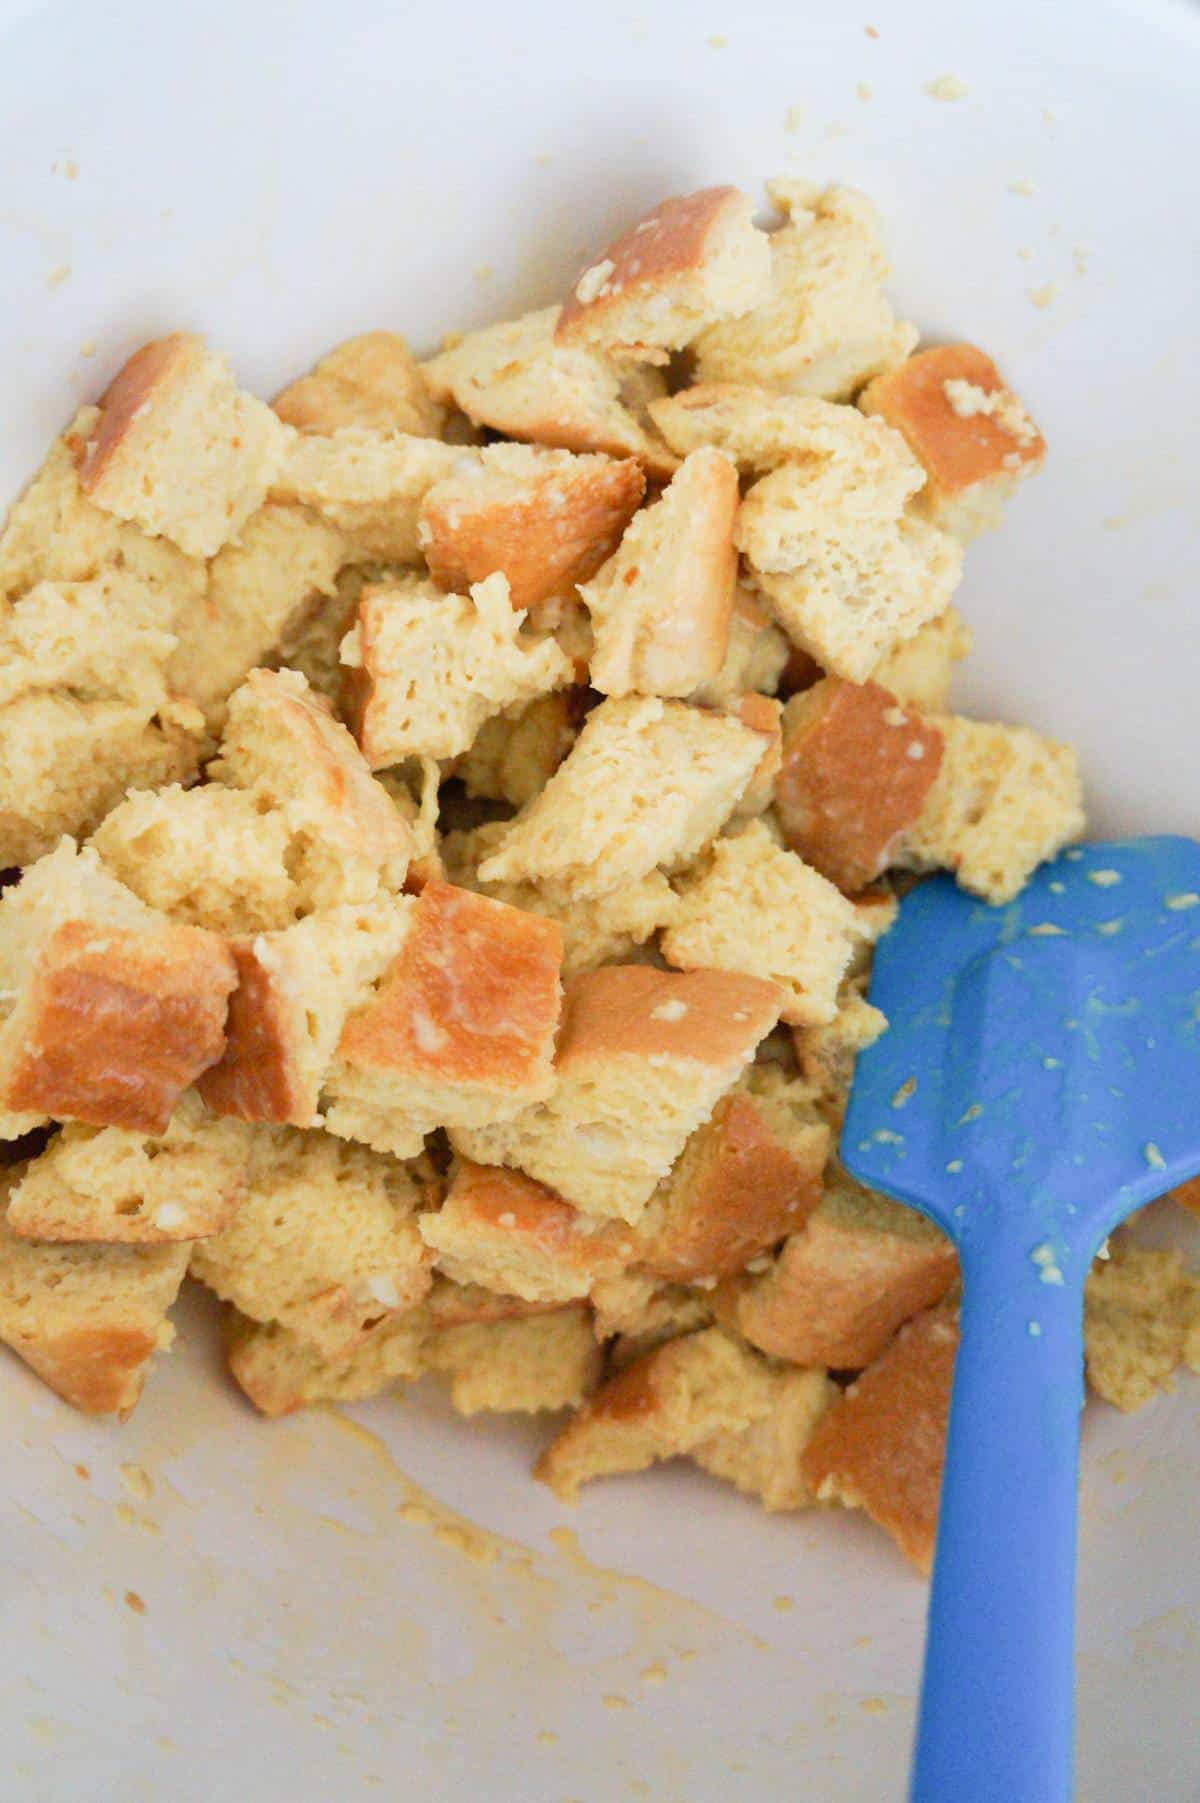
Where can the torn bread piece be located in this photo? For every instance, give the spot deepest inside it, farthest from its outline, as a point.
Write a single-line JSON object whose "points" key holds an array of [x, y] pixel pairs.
{"points": [[757, 428], [514, 378], [856, 773], [373, 381], [971, 433], [664, 1404], [179, 448], [826, 327], [460, 1030], [918, 671], [859, 1268], [108, 1185], [764, 1459], [689, 262], [804, 930], [1141, 1320], [756, 655], [87, 1319], [325, 1240], [545, 520], [660, 607], [279, 1370], [1005, 800], [513, 755], [430, 668], [368, 484], [112, 1010], [643, 1058], [545, 1361], [635, 1311], [882, 1445], [647, 783], [312, 644]]}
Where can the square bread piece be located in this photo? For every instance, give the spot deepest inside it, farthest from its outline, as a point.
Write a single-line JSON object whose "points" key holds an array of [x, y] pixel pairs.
{"points": [[500, 1229], [857, 770], [643, 1058], [87, 1319], [919, 670], [112, 1009], [179, 448], [283, 744], [748, 1177], [859, 1267], [544, 519], [515, 379], [826, 326], [1141, 1319], [115, 1187], [279, 1370], [549, 1360], [804, 932], [757, 428], [459, 1032], [660, 607], [1005, 800], [325, 1241], [429, 668], [764, 1459], [372, 380], [369, 484], [971, 433], [882, 1445], [513, 755], [689, 262], [647, 783]]}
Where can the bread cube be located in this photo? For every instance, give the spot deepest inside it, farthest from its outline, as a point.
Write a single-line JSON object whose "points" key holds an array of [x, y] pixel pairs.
{"points": [[113, 1010], [661, 605], [545, 520], [643, 1058], [430, 668], [179, 448], [280, 1370], [764, 1459], [689, 262], [971, 433], [369, 484], [1140, 1319], [513, 755], [918, 671], [882, 1445], [857, 771], [547, 1361], [459, 1031], [826, 327], [312, 644], [859, 1268], [647, 783], [87, 1319], [756, 427], [636, 1311], [373, 381], [756, 654]]}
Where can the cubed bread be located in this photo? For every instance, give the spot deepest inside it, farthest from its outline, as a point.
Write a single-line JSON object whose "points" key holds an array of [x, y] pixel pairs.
{"points": [[826, 326], [312, 644], [373, 381], [1140, 1308], [459, 1031], [804, 930], [108, 1185], [179, 448], [647, 783], [882, 1445], [918, 671], [279, 1370], [430, 668], [113, 1011], [764, 1459], [513, 755], [109, 638], [748, 1177], [283, 744], [87, 1319], [857, 770], [545, 520], [635, 1311], [1006, 799], [662, 1405], [367, 483], [756, 427], [689, 262], [661, 605], [859, 1267], [500, 1229], [643, 1058], [295, 990], [514, 378], [546, 1361], [971, 433], [756, 654], [325, 1240]]}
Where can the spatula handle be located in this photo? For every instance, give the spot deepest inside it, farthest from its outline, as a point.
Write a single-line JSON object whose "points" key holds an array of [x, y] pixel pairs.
{"points": [[997, 1700]]}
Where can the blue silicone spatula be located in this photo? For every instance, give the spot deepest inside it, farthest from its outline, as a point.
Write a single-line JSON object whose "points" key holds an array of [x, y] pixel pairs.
{"points": [[1039, 1080]]}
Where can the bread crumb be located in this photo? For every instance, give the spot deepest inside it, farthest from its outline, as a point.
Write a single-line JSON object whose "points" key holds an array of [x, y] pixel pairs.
{"points": [[82, 1471], [864, 90], [968, 400], [60, 274], [719, 41], [484, 273], [1079, 258], [654, 1673], [784, 1604], [870, 31], [1044, 296], [543, 159], [873, 1706], [125, 1515], [612, 1701], [1024, 187], [88, 348], [793, 119], [947, 87], [1104, 879], [1153, 1156], [137, 1481], [133, 1601], [1048, 1269], [547, 1737]]}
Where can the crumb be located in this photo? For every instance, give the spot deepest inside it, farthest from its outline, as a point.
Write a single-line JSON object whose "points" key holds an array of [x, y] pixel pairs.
{"points": [[793, 118], [133, 1601], [1024, 187], [655, 1673], [783, 1603], [1044, 296], [967, 400], [1080, 257], [612, 1701], [1188, 899], [1104, 879], [125, 1515], [947, 87], [1048, 117], [81, 1471], [719, 41], [88, 348], [873, 1706], [870, 31], [864, 90], [543, 159], [1153, 1156], [137, 1481], [905, 1093], [1025, 254], [71, 169], [59, 275], [547, 1737]]}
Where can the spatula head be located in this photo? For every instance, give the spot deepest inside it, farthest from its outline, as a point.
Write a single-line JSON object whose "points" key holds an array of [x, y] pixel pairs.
{"points": [[1041, 1068]]}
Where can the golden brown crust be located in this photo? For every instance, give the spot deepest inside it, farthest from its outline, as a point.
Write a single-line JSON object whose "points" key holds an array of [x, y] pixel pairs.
{"points": [[697, 1016], [856, 770], [155, 366], [119, 1023], [256, 1078], [958, 451]]}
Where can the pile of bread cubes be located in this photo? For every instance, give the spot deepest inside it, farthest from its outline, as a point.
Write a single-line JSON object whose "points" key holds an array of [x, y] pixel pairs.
{"points": [[450, 813]]}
